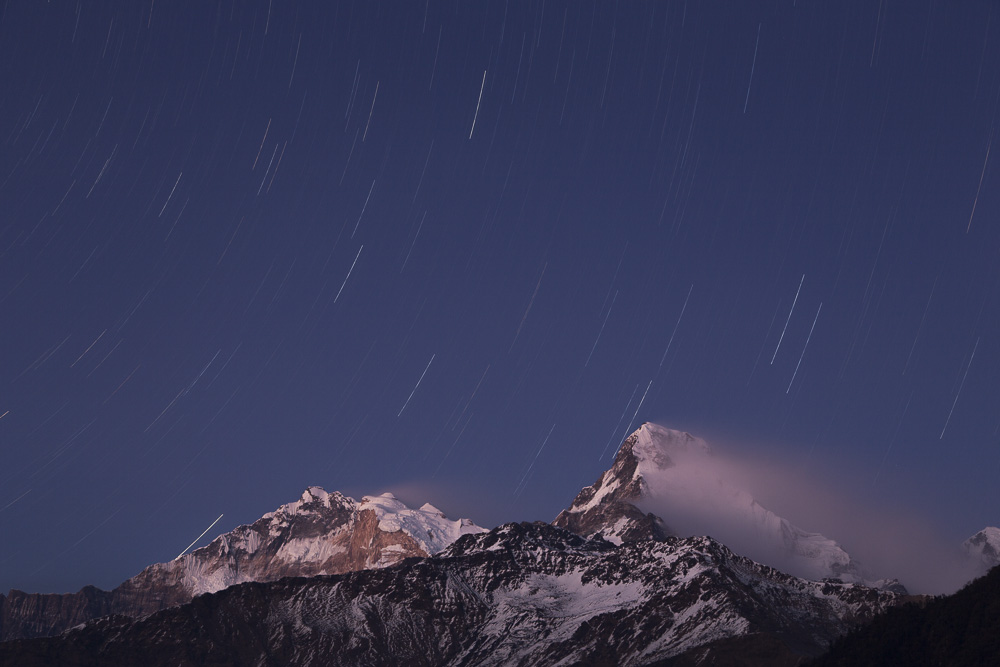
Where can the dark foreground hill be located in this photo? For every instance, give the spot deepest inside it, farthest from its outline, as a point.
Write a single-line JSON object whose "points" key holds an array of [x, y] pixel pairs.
{"points": [[957, 630]]}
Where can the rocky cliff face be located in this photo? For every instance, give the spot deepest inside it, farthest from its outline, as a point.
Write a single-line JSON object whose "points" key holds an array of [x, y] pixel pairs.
{"points": [[37, 615], [522, 594], [321, 533], [608, 507]]}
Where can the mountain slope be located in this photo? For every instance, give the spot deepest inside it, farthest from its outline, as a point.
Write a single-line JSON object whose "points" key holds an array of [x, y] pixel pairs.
{"points": [[521, 594], [668, 482], [321, 533]]}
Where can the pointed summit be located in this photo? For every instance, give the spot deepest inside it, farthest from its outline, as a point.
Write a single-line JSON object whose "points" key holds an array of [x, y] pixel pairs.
{"points": [[663, 477], [662, 447], [608, 506]]}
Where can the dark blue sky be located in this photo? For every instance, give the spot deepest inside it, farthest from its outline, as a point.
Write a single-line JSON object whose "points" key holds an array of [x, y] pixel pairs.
{"points": [[448, 248]]}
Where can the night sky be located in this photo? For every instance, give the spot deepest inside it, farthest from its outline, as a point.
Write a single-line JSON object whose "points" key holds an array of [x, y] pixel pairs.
{"points": [[459, 250]]}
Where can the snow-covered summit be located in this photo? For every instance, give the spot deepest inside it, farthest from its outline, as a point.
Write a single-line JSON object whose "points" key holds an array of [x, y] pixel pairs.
{"points": [[670, 481], [984, 547], [320, 533], [314, 500], [661, 447], [427, 525]]}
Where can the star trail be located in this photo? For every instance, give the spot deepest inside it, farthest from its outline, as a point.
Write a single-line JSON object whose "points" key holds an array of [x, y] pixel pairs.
{"points": [[464, 247]]}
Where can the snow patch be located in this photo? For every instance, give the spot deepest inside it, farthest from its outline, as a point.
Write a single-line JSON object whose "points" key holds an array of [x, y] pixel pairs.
{"points": [[607, 487]]}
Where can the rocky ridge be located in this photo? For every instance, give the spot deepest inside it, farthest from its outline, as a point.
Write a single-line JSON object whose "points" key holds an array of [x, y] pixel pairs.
{"points": [[521, 594]]}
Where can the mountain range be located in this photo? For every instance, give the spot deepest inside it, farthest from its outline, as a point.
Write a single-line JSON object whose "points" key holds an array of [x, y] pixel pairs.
{"points": [[521, 594], [331, 579]]}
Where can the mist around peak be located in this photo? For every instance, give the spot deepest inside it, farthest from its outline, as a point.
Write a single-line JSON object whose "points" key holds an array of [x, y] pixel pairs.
{"points": [[754, 505]]}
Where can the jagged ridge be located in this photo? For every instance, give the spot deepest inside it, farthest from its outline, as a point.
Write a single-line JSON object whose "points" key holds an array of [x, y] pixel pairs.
{"points": [[529, 594]]}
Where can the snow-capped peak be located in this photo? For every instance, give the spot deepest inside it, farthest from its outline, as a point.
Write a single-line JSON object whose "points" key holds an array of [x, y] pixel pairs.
{"points": [[313, 500], [661, 473], [428, 525], [320, 533], [984, 546], [427, 507], [660, 447], [315, 493]]}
